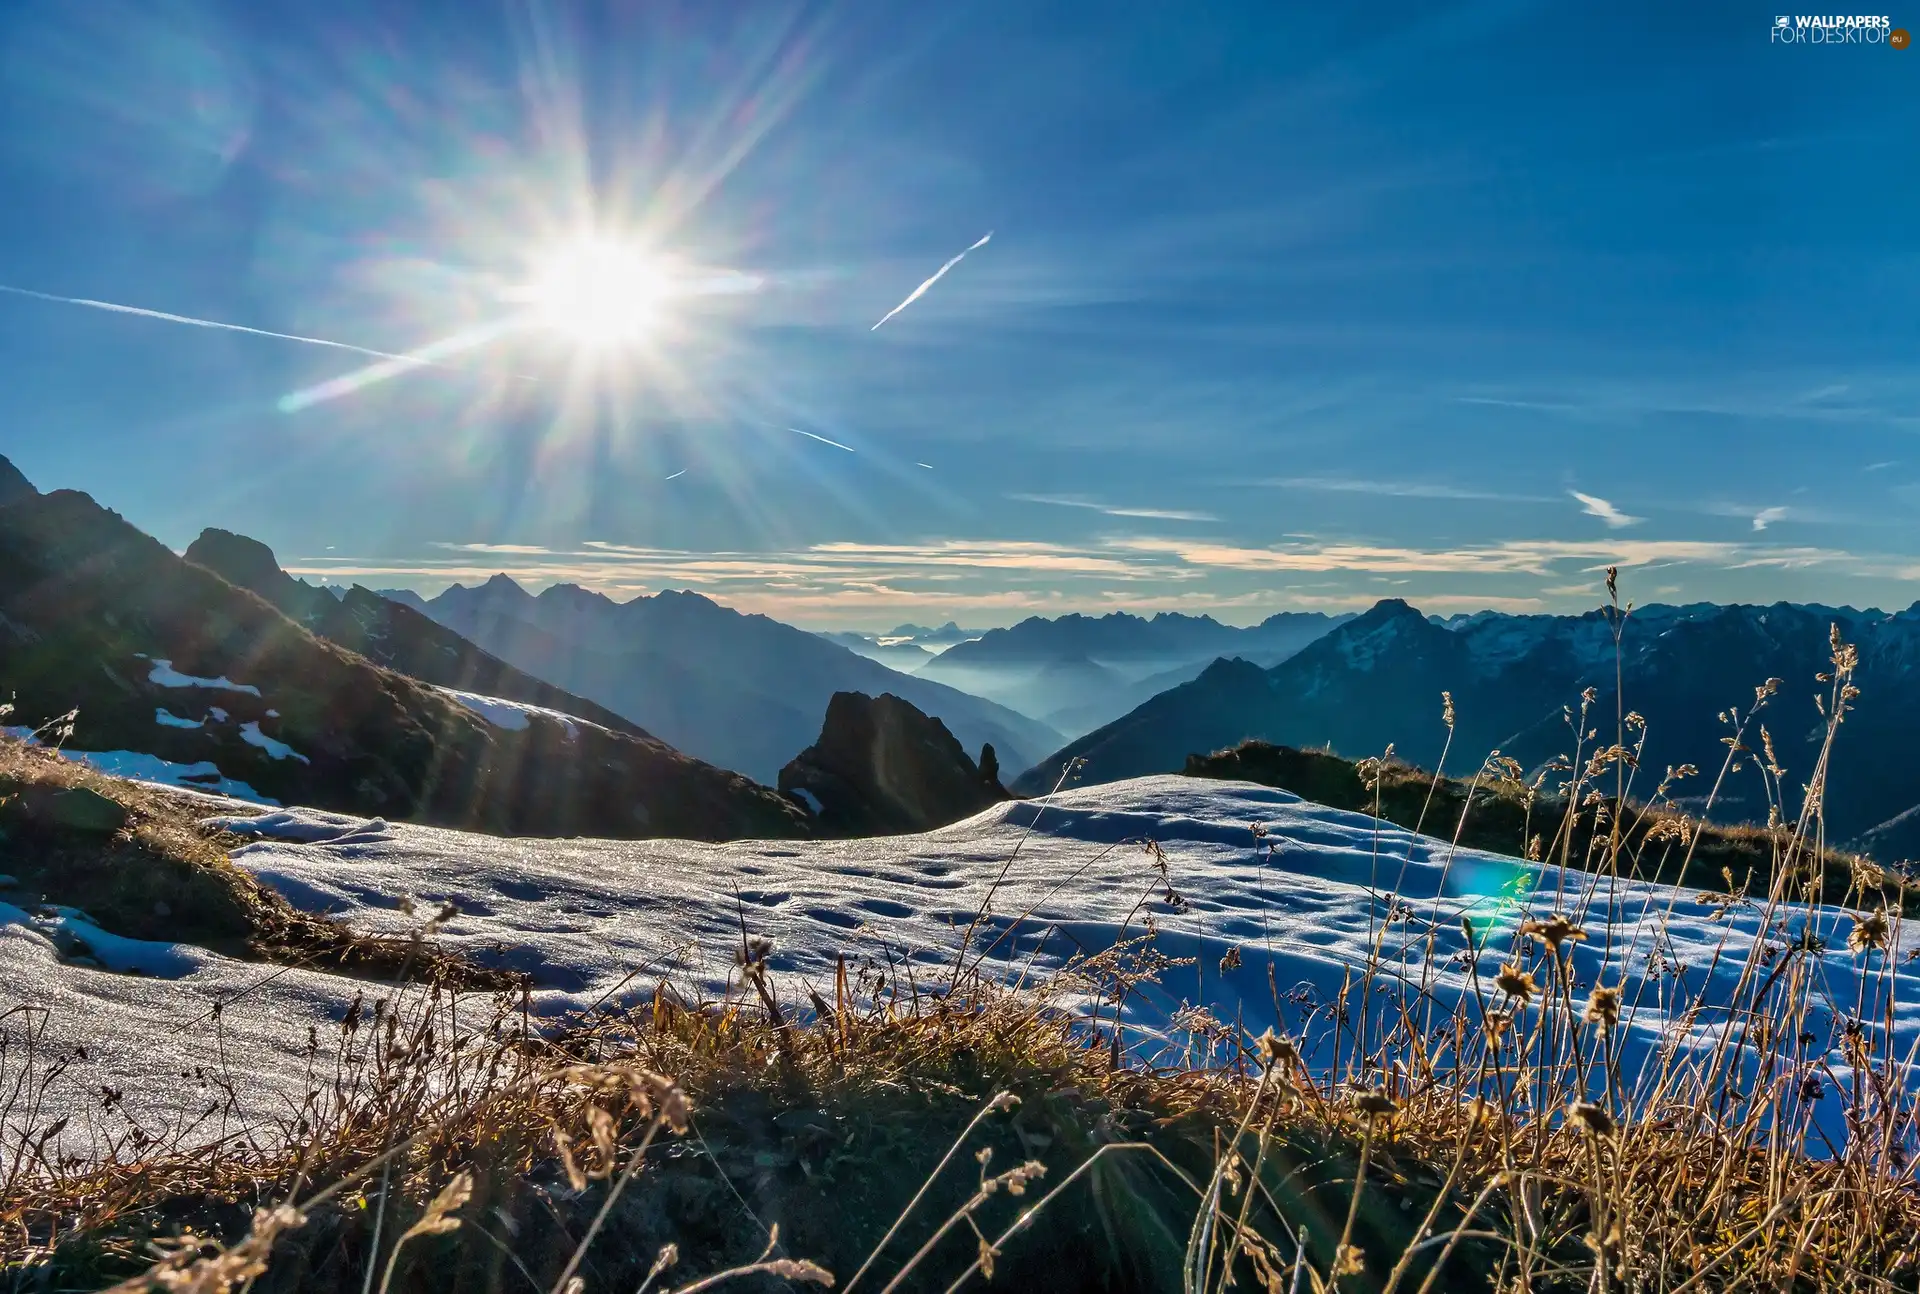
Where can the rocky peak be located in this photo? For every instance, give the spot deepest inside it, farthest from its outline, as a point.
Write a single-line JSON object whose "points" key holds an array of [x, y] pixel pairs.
{"points": [[881, 767], [13, 484], [249, 564]]}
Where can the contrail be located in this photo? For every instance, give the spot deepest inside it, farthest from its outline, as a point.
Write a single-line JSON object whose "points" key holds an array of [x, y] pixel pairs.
{"points": [[677, 475], [165, 317], [938, 274], [822, 439], [928, 466]]}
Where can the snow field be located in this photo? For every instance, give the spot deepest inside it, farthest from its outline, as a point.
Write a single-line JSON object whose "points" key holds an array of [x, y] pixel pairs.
{"points": [[1275, 925]]}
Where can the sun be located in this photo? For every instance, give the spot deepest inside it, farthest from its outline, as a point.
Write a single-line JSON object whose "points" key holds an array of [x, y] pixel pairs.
{"points": [[598, 292]]}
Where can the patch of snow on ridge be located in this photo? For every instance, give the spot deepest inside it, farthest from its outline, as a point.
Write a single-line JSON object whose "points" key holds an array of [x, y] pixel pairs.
{"points": [[251, 734], [168, 719], [165, 675], [137, 766], [511, 715], [811, 800]]}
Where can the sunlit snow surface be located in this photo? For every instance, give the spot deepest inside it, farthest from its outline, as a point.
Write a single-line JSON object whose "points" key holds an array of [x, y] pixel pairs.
{"points": [[511, 715], [594, 920]]}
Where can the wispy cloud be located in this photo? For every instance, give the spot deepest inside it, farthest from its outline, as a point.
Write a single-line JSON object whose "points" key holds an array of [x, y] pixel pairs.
{"points": [[1398, 489], [1537, 557], [1767, 516], [1113, 510], [847, 582], [938, 274], [1595, 506], [517, 550]]}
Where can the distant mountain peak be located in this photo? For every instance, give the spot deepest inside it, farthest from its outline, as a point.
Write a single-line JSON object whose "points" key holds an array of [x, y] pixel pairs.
{"points": [[572, 594], [1388, 609]]}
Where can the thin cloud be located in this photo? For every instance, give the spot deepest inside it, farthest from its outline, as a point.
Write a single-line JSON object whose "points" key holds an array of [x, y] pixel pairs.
{"points": [[1881, 467], [928, 466], [519, 550], [1767, 516], [1139, 572], [1397, 489], [822, 439], [1594, 506], [938, 274], [1110, 510], [677, 475]]}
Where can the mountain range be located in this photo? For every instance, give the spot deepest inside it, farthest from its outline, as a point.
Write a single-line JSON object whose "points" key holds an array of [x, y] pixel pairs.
{"points": [[160, 668], [1076, 672], [1516, 683], [741, 691]]}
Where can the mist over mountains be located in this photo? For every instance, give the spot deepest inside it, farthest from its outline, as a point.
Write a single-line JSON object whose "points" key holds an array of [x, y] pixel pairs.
{"points": [[1517, 684]]}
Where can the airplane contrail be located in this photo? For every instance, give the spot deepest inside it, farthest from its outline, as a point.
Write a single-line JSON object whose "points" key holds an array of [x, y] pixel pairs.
{"points": [[677, 475], [822, 439], [938, 274], [165, 317], [928, 466]]}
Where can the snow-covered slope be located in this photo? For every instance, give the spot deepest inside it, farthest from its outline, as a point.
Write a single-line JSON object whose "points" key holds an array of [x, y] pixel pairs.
{"points": [[593, 920]]}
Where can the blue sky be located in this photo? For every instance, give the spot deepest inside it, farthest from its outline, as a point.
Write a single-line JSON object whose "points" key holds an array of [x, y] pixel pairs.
{"points": [[1284, 307]]}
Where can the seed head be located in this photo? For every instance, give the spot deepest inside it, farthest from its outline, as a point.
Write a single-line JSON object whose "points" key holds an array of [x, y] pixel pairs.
{"points": [[1516, 983], [1375, 1104], [1603, 1008], [1869, 932], [1277, 1049], [1556, 930], [1592, 1118]]}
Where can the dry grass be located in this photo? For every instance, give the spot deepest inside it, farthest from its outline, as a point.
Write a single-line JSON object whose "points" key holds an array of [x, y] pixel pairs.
{"points": [[905, 1139]]}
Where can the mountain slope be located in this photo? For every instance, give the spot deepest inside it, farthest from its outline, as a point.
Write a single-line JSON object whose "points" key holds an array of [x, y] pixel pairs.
{"points": [[387, 633], [743, 691], [178, 674]]}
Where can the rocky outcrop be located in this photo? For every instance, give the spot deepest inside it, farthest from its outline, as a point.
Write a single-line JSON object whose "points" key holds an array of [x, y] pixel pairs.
{"points": [[881, 767], [249, 564]]}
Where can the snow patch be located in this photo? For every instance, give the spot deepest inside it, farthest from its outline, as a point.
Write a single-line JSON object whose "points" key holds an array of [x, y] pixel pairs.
{"points": [[304, 826], [167, 719], [811, 800], [137, 766], [72, 933], [165, 675], [510, 715], [251, 734]]}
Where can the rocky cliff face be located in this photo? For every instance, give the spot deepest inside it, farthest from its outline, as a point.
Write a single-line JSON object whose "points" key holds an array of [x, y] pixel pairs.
{"points": [[881, 767]]}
